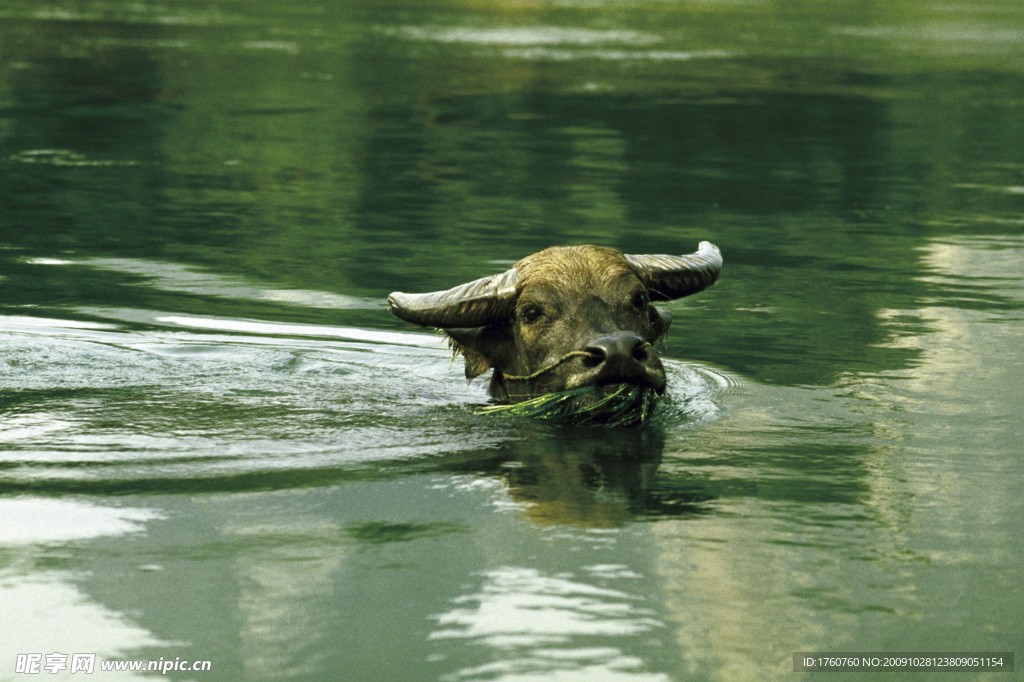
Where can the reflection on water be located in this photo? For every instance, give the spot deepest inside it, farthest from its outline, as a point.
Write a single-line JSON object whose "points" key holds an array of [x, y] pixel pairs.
{"points": [[53, 616], [591, 478], [541, 626], [963, 388], [45, 609], [847, 568], [30, 520], [174, 277], [533, 35], [557, 43], [279, 630], [63, 157]]}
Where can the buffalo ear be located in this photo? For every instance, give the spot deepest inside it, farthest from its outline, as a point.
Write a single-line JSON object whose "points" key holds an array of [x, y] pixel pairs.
{"points": [[661, 319], [480, 346]]}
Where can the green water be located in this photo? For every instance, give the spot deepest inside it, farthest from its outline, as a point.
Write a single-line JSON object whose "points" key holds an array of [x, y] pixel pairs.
{"points": [[216, 444]]}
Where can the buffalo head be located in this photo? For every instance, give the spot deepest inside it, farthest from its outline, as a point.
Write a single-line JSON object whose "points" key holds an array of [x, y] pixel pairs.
{"points": [[565, 318]]}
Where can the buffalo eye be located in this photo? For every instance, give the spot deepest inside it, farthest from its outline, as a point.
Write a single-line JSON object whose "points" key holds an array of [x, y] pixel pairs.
{"points": [[530, 313], [640, 300]]}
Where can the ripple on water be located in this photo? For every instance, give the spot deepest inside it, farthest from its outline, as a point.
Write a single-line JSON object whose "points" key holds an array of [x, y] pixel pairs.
{"points": [[221, 404]]}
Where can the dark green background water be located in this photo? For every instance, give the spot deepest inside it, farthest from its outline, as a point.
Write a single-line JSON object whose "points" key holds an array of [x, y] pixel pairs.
{"points": [[215, 443]]}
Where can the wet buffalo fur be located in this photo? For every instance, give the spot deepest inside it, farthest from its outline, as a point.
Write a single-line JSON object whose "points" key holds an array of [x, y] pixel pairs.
{"points": [[565, 297]]}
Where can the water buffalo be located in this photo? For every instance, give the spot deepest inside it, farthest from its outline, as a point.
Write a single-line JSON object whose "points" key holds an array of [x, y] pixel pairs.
{"points": [[566, 319]]}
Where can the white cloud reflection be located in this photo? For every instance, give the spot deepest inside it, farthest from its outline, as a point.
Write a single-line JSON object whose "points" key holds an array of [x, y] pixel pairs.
{"points": [[548, 628]]}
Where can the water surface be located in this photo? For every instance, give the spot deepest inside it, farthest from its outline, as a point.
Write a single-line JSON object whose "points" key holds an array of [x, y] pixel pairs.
{"points": [[216, 444]]}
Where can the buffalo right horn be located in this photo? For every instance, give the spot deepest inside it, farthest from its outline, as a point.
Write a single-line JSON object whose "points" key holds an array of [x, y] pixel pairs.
{"points": [[671, 277], [474, 304]]}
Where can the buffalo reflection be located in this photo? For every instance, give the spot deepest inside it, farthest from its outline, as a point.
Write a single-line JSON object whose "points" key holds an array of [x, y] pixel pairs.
{"points": [[588, 477]]}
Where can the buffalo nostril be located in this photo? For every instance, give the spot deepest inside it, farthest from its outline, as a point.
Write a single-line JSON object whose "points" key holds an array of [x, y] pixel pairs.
{"points": [[640, 353], [597, 356], [618, 350]]}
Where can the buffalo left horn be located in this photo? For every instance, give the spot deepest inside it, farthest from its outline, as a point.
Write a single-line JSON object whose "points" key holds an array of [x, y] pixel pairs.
{"points": [[671, 277], [483, 301]]}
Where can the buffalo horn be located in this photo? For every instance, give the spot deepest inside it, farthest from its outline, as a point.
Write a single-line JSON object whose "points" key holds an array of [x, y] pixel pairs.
{"points": [[477, 303], [671, 277]]}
